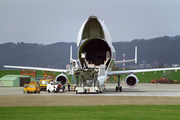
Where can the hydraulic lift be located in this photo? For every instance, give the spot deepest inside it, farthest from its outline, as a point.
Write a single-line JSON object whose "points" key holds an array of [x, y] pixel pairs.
{"points": [[88, 82]]}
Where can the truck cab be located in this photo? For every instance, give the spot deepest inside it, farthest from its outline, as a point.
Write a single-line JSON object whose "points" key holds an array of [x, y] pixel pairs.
{"points": [[44, 82]]}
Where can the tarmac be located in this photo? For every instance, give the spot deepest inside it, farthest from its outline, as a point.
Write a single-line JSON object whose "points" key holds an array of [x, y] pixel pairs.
{"points": [[143, 93], [142, 89]]}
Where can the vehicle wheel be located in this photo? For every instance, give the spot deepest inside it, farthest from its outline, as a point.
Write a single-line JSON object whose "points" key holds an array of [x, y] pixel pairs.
{"points": [[57, 90], [39, 92], [48, 91], [96, 91], [120, 89], [76, 92]]}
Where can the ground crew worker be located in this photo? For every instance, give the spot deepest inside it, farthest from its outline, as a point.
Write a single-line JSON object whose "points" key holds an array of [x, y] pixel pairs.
{"points": [[68, 86]]}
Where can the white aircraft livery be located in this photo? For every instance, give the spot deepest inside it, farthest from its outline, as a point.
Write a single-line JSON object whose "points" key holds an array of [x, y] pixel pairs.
{"points": [[96, 57]]}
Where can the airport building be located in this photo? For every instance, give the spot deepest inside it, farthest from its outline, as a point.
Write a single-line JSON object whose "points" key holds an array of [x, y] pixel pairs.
{"points": [[15, 80]]}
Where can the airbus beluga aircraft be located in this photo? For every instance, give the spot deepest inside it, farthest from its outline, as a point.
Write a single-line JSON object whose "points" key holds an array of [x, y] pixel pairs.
{"points": [[96, 57]]}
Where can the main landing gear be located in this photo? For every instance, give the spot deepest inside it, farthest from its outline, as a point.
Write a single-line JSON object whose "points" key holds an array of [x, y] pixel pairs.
{"points": [[119, 88]]}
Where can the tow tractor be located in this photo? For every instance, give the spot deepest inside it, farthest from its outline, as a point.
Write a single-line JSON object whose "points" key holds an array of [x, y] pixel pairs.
{"points": [[55, 87]]}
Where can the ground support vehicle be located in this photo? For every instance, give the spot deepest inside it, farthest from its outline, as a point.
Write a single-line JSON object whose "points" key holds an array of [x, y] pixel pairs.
{"points": [[88, 81], [55, 86], [25, 88], [44, 82], [87, 90], [33, 87]]}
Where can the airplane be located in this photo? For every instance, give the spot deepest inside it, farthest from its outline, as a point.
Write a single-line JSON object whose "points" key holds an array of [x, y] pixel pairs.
{"points": [[96, 58]]}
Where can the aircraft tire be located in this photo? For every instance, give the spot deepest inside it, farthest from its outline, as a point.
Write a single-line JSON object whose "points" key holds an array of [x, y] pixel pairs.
{"points": [[116, 88], [120, 89]]}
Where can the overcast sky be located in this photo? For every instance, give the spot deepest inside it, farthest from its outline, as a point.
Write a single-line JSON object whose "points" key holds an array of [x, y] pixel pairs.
{"points": [[51, 21]]}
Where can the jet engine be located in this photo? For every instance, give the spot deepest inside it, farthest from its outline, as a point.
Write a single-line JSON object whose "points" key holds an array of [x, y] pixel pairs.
{"points": [[131, 80], [62, 78]]}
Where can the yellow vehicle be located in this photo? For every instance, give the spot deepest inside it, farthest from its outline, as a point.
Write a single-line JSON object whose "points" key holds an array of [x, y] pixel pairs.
{"points": [[33, 87], [44, 82], [25, 88]]}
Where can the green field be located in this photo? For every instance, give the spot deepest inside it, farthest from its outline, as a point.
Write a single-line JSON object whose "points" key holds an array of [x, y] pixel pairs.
{"points": [[124, 112], [18, 72], [148, 76], [143, 78], [9, 72]]}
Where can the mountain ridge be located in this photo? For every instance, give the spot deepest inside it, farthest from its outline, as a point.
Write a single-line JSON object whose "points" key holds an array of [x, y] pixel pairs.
{"points": [[164, 50]]}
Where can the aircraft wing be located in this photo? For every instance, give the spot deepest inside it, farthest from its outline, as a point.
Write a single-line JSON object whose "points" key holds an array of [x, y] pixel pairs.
{"points": [[36, 68], [111, 73]]}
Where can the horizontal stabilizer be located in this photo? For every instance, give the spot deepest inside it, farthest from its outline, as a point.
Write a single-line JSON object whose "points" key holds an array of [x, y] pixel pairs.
{"points": [[125, 61]]}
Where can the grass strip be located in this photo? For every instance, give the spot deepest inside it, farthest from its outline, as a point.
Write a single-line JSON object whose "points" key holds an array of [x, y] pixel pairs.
{"points": [[128, 112]]}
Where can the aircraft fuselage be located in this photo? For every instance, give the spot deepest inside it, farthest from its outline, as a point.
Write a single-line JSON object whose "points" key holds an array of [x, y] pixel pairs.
{"points": [[94, 41]]}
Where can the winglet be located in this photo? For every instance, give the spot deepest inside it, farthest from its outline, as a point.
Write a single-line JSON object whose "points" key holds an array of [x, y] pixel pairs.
{"points": [[135, 59], [70, 54]]}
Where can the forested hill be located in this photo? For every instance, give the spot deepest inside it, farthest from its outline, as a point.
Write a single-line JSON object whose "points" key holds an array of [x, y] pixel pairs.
{"points": [[164, 50]]}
